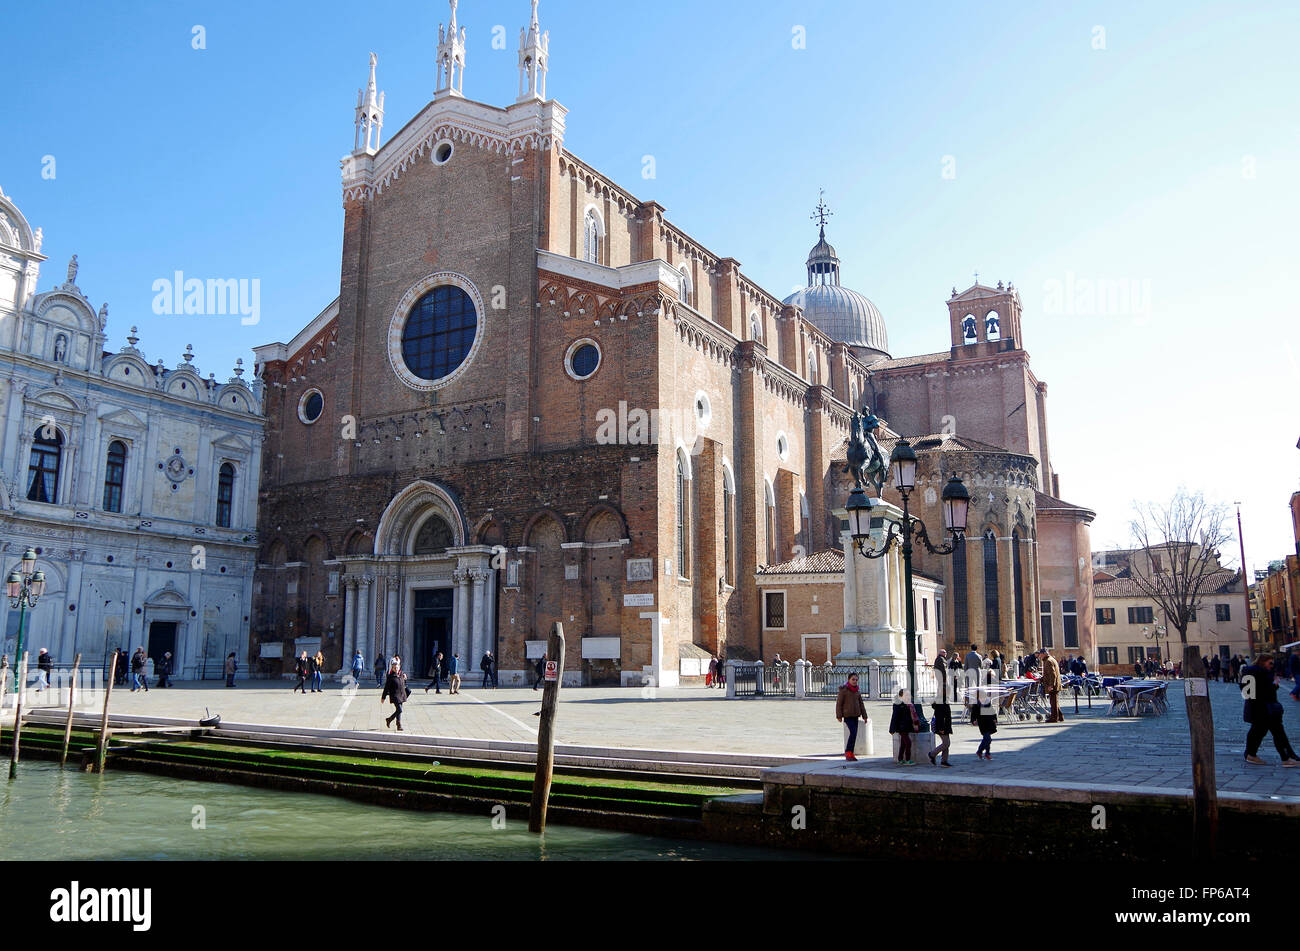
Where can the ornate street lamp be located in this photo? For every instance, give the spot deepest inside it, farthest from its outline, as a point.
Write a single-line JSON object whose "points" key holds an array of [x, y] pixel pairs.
{"points": [[1156, 632], [25, 588], [867, 462]]}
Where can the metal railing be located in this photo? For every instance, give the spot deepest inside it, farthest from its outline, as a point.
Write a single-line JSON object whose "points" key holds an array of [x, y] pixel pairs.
{"points": [[805, 680]]}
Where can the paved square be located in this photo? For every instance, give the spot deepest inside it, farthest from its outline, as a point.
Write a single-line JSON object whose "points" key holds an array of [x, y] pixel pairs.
{"points": [[1089, 747]]}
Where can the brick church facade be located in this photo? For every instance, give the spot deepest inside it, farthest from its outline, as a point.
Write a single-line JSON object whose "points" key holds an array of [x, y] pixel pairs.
{"points": [[536, 399]]}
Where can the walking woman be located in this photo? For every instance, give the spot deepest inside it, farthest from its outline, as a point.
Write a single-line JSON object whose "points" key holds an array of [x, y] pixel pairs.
{"points": [[395, 688], [848, 708], [317, 665]]}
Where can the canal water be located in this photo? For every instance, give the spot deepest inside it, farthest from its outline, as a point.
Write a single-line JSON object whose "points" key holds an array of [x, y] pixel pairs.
{"points": [[65, 814]]}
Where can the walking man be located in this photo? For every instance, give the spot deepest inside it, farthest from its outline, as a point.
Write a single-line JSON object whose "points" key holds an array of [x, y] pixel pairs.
{"points": [[358, 665], [485, 665], [435, 674], [137, 671], [45, 664], [1263, 712], [381, 666], [1051, 684], [453, 673], [165, 670], [395, 689], [232, 665], [539, 669], [300, 668]]}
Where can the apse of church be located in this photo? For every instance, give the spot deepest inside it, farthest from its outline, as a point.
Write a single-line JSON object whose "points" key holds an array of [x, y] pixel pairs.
{"points": [[536, 399]]}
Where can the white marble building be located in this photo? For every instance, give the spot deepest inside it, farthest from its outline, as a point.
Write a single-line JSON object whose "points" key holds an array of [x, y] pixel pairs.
{"points": [[136, 484]]}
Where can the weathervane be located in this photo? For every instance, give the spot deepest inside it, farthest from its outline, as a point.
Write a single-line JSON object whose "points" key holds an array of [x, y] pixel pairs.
{"points": [[822, 212]]}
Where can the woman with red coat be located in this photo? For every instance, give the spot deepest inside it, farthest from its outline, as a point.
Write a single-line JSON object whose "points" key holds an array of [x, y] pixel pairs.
{"points": [[848, 708]]}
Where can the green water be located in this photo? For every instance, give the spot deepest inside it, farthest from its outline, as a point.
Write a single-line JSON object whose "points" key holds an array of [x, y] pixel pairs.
{"points": [[53, 813]]}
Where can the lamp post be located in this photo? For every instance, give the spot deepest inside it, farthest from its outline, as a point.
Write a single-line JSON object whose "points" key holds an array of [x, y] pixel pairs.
{"points": [[1155, 632], [902, 464], [25, 586]]}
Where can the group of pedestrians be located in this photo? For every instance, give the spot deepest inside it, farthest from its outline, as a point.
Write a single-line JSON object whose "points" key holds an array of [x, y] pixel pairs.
{"points": [[908, 717], [717, 675], [309, 669]]}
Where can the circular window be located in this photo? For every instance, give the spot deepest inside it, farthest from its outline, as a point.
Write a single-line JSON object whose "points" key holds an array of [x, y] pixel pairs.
{"points": [[311, 406], [434, 331], [442, 152], [703, 409], [782, 446], [582, 360]]}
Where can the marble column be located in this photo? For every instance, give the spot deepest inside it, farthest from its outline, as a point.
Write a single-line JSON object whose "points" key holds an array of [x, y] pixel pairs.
{"points": [[477, 636], [460, 577], [349, 622], [363, 616], [392, 634]]}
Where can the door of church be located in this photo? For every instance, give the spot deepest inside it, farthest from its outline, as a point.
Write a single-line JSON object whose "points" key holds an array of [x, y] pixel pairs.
{"points": [[433, 628], [162, 638]]}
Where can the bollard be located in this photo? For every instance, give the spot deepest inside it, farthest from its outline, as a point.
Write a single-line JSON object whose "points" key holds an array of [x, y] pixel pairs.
{"points": [[801, 678], [873, 680], [758, 682], [102, 751], [1076, 699], [731, 680], [546, 732], [67, 727]]}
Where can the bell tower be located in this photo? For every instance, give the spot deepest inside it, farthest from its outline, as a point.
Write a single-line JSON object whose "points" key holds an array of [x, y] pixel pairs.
{"points": [[985, 320]]}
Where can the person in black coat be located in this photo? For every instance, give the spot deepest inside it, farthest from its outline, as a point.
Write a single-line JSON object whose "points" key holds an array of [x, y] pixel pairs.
{"points": [[905, 720], [45, 664], [165, 670], [1262, 711], [395, 688], [539, 669], [986, 718], [435, 674], [941, 725]]}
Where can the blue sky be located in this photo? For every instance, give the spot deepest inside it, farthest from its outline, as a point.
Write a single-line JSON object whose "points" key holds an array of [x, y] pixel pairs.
{"points": [[1154, 146]]}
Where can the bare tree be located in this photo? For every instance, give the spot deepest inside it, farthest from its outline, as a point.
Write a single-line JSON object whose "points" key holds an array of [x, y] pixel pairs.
{"points": [[1178, 556]]}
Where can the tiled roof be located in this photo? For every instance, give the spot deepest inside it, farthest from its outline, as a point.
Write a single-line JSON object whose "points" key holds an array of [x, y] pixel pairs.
{"points": [[913, 361], [830, 561], [1216, 582], [1049, 503]]}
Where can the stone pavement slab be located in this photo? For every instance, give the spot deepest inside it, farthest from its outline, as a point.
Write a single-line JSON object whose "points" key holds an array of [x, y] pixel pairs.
{"points": [[1088, 748]]}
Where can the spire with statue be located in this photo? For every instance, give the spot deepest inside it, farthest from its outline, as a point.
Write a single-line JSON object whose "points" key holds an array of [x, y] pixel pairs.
{"points": [[451, 58], [534, 51]]}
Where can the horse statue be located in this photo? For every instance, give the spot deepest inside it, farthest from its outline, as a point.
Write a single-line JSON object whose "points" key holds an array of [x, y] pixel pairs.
{"points": [[866, 463]]}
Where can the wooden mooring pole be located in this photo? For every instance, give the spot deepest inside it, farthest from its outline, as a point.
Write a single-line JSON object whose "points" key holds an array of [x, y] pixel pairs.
{"points": [[18, 716], [102, 750], [546, 730], [67, 727]]}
